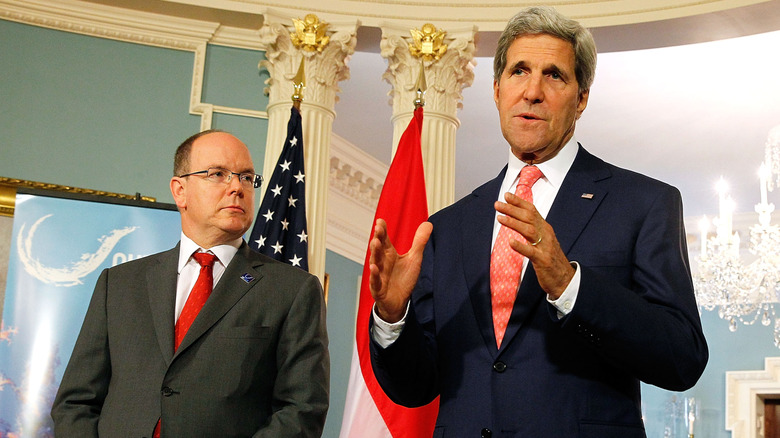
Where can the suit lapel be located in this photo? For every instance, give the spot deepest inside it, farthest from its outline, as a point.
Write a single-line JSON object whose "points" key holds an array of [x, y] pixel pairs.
{"points": [[477, 233], [239, 276], [574, 205], [161, 288], [578, 198]]}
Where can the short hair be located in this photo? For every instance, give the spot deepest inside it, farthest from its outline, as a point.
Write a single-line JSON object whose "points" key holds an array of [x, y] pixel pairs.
{"points": [[546, 20], [181, 159]]}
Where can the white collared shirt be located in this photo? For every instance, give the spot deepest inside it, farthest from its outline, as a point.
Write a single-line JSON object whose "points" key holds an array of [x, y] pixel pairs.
{"points": [[189, 269], [544, 192]]}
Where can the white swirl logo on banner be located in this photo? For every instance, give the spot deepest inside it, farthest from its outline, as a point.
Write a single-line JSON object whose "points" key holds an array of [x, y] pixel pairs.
{"points": [[69, 275]]}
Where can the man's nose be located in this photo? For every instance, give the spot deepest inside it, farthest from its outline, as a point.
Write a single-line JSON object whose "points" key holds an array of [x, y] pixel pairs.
{"points": [[534, 91], [234, 185]]}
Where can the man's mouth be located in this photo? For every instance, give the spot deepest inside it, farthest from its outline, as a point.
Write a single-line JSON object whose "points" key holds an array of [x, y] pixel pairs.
{"points": [[529, 116], [234, 208]]}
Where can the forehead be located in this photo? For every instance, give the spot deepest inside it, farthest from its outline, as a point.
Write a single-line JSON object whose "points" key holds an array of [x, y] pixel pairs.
{"points": [[542, 49], [220, 149]]}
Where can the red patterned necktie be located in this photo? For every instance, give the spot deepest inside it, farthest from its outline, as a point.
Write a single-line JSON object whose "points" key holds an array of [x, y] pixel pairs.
{"points": [[506, 264], [198, 296], [200, 293]]}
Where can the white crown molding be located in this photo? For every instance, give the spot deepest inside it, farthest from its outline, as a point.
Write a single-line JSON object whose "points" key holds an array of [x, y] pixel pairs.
{"points": [[488, 15], [355, 183], [110, 22], [238, 37]]}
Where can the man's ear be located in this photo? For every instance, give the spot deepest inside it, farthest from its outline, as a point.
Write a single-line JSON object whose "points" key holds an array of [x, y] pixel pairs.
{"points": [[496, 85], [178, 190], [582, 103]]}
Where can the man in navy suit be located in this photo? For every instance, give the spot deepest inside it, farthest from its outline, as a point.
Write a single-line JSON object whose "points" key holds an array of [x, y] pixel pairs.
{"points": [[605, 298]]}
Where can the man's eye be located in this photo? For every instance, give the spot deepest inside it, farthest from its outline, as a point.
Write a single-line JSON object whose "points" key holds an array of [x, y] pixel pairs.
{"points": [[246, 178], [217, 173]]}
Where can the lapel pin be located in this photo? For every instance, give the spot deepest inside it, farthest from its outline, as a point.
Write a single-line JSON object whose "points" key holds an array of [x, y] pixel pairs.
{"points": [[587, 196], [247, 278]]}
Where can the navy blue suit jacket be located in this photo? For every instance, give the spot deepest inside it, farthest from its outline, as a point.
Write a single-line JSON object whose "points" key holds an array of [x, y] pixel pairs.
{"points": [[635, 317]]}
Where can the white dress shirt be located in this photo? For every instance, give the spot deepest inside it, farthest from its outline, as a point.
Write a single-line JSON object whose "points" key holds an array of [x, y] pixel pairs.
{"points": [[189, 269], [544, 192]]}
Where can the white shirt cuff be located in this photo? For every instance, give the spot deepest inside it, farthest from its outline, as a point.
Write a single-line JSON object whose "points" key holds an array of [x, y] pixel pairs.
{"points": [[565, 303], [385, 333]]}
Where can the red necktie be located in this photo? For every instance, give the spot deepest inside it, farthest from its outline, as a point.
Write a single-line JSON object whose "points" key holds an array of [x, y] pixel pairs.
{"points": [[506, 264], [198, 296], [200, 293]]}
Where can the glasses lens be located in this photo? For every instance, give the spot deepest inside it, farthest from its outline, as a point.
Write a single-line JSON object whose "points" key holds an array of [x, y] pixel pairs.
{"points": [[218, 175]]}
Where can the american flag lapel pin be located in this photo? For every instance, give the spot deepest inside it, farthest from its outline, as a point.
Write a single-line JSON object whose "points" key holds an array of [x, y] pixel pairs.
{"points": [[247, 278], [587, 196]]}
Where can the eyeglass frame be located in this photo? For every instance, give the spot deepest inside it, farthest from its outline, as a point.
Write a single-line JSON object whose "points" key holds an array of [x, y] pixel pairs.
{"points": [[257, 180]]}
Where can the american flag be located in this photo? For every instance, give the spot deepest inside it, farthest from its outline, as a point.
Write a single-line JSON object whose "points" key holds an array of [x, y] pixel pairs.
{"points": [[280, 227]]}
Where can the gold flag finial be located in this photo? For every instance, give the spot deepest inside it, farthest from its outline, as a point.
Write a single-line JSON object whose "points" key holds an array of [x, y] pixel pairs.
{"points": [[299, 84], [427, 43], [310, 34], [420, 87]]}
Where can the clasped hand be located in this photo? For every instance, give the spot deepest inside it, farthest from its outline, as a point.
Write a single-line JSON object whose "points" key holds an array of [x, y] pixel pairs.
{"points": [[552, 267]]}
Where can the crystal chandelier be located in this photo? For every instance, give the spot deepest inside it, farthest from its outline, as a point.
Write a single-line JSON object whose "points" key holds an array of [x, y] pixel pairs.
{"points": [[743, 292]]}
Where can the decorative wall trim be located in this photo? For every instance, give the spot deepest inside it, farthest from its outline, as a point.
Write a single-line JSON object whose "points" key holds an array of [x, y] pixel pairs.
{"points": [[355, 183], [745, 391]]}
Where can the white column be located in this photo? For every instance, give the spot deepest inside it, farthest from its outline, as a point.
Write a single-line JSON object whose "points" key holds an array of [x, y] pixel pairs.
{"points": [[324, 70], [446, 79]]}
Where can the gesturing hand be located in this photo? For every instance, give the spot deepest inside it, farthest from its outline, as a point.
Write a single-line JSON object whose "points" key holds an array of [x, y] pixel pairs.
{"points": [[542, 248], [392, 276]]}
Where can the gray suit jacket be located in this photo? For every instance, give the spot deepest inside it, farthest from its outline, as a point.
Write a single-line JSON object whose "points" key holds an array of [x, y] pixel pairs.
{"points": [[254, 362]]}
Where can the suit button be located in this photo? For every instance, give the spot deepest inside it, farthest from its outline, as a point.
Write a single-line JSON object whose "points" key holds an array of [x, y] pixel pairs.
{"points": [[167, 392], [486, 433], [499, 367]]}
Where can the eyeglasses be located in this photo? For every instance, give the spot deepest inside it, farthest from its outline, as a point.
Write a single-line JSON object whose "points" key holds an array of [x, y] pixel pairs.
{"points": [[219, 175]]}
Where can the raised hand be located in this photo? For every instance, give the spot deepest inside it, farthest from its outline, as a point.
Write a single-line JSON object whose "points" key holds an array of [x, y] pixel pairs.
{"points": [[392, 276]]}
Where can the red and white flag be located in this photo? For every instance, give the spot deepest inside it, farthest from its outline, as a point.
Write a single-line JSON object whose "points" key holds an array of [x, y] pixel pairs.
{"points": [[368, 412]]}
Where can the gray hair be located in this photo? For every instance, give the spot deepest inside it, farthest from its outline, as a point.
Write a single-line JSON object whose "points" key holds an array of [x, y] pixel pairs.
{"points": [[546, 20]]}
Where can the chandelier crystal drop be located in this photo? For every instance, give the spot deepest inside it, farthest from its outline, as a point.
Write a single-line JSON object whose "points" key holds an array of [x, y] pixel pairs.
{"points": [[743, 292]]}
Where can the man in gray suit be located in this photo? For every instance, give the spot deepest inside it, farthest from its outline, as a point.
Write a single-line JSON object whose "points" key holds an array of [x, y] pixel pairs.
{"points": [[254, 361]]}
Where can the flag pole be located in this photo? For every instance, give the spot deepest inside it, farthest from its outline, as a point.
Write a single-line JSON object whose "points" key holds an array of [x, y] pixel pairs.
{"points": [[420, 87], [299, 84]]}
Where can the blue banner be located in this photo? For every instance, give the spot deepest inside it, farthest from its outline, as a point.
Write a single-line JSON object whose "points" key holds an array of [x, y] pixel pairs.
{"points": [[59, 247]]}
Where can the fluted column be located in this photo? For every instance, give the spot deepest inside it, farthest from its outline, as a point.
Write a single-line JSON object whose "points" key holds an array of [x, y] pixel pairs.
{"points": [[323, 71], [446, 79]]}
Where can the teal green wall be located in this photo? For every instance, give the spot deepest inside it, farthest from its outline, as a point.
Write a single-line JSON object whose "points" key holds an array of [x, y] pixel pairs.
{"points": [[107, 115], [233, 78], [91, 112]]}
